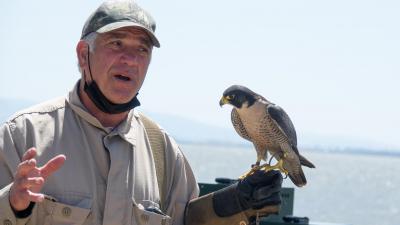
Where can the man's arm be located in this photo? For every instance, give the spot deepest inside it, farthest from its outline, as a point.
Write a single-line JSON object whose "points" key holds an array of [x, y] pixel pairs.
{"points": [[9, 160], [239, 203], [21, 179]]}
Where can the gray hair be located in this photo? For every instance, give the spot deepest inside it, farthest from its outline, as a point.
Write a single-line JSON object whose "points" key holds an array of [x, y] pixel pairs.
{"points": [[90, 39]]}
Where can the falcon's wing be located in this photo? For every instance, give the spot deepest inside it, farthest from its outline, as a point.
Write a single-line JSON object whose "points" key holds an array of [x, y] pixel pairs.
{"points": [[238, 125], [283, 122]]}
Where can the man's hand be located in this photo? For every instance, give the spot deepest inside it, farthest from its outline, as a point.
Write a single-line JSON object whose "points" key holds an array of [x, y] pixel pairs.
{"points": [[29, 179]]}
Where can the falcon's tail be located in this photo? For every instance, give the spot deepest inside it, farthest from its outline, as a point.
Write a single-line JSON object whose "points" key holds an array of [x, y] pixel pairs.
{"points": [[298, 178], [305, 162]]}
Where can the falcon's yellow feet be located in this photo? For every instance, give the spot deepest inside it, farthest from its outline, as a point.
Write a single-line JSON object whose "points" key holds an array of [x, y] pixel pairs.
{"points": [[254, 168], [266, 167], [279, 165]]}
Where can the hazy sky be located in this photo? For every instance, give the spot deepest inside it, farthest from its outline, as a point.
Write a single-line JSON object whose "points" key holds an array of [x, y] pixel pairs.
{"points": [[334, 66]]}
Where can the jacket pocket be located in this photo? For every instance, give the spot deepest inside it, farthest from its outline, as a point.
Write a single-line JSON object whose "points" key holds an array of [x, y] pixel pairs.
{"points": [[149, 216], [57, 213]]}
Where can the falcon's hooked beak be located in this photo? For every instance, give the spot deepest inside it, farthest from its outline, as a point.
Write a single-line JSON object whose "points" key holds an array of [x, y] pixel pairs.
{"points": [[224, 100]]}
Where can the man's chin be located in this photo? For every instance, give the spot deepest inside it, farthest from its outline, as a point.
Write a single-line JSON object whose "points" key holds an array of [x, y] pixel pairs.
{"points": [[121, 96], [122, 100]]}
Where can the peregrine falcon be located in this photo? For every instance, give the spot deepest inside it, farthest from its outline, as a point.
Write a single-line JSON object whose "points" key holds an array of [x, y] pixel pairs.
{"points": [[269, 128]]}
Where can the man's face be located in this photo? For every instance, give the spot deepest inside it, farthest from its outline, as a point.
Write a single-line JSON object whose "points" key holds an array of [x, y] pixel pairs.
{"points": [[119, 63]]}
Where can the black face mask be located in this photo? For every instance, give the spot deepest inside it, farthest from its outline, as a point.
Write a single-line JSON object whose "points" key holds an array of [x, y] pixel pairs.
{"points": [[101, 101]]}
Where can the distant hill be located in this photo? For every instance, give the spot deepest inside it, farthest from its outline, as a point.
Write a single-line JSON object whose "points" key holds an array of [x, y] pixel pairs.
{"points": [[182, 129], [186, 130]]}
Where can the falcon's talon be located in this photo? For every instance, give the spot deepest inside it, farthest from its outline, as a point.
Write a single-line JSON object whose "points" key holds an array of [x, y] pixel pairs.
{"points": [[279, 165], [254, 168]]}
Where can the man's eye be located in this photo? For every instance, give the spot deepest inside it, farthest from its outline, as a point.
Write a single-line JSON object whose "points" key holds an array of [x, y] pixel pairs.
{"points": [[116, 43], [144, 49]]}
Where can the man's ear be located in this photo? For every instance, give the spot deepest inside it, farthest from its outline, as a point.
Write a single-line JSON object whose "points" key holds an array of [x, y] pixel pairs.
{"points": [[81, 52]]}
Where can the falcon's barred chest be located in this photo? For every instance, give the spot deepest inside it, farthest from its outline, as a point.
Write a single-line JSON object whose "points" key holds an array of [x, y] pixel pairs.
{"points": [[256, 124]]}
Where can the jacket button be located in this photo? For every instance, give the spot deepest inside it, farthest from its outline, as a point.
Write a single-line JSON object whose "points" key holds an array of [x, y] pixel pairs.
{"points": [[7, 222], [242, 223], [66, 211]]}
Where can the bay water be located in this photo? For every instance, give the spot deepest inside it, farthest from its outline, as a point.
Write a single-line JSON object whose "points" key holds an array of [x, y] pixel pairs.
{"points": [[344, 188]]}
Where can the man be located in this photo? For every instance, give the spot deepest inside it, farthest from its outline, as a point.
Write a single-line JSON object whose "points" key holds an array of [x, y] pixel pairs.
{"points": [[87, 158]]}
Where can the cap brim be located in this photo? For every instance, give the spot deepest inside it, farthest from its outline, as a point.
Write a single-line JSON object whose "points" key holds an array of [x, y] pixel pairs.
{"points": [[117, 25]]}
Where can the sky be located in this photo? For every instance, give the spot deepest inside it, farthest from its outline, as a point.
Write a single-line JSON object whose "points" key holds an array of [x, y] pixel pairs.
{"points": [[334, 66]]}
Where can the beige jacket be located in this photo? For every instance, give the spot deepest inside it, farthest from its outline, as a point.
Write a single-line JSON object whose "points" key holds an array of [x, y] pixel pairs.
{"points": [[109, 175]]}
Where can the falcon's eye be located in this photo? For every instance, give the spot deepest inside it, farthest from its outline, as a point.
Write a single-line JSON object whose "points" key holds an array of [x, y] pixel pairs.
{"points": [[231, 96]]}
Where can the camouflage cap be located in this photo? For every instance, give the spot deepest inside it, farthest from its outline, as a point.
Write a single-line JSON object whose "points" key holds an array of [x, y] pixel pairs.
{"points": [[114, 14]]}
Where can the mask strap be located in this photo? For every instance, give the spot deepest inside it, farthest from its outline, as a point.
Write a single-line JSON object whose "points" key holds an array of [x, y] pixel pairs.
{"points": [[88, 59]]}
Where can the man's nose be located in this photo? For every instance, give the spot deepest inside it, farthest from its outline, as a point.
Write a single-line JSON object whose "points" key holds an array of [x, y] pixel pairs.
{"points": [[130, 57]]}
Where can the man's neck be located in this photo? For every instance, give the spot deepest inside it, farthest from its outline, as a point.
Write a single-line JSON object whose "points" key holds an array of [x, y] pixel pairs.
{"points": [[106, 119]]}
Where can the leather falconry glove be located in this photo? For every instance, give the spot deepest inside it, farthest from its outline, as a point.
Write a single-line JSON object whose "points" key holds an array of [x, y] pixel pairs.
{"points": [[256, 191], [256, 195]]}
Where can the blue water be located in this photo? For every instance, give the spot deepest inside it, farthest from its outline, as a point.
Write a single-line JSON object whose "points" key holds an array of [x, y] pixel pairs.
{"points": [[344, 188]]}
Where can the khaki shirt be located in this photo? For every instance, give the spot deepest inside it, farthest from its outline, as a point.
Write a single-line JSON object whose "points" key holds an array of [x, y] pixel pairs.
{"points": [[109, 175]]}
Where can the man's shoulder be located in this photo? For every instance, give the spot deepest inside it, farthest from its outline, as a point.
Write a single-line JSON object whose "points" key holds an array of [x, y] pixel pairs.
{"points": [[40, 109], [156, 132], [148, 121]]}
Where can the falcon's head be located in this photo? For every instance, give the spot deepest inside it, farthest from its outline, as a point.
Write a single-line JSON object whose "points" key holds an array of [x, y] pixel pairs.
{"points": [[238, 96]]}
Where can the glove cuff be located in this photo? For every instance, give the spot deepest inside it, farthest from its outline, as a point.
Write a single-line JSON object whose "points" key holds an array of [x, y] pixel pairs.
{"points": [[226, 202]]}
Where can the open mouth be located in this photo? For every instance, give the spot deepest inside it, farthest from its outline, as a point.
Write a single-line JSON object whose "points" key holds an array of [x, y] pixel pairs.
{"points": [[122, 77]]}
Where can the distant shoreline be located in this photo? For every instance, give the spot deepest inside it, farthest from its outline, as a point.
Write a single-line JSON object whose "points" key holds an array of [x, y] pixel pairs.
{"points": [[353, 151]]}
